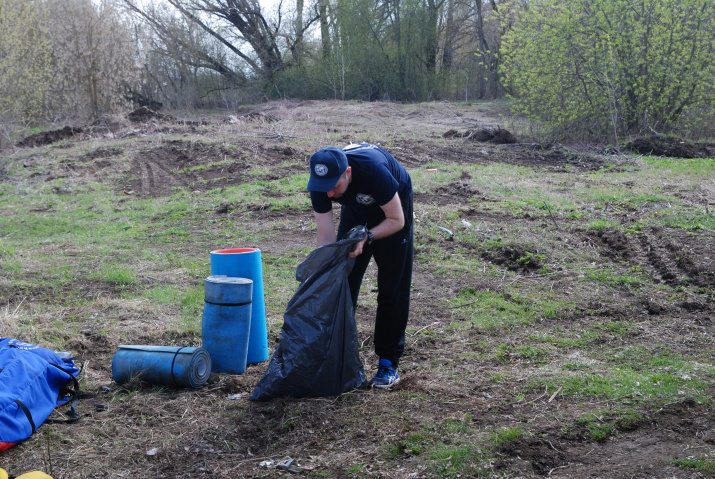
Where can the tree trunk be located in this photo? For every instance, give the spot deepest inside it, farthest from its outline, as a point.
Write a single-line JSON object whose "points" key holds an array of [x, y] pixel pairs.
{"points": [[483, 47], [324, 28], [298, 25]]}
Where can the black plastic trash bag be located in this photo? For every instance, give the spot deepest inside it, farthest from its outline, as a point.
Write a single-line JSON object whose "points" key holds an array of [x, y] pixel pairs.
{"points": [[318, 352]]}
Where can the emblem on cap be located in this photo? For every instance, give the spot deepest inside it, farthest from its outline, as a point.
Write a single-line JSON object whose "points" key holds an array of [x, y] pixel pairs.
{"points": [[321, 169]]}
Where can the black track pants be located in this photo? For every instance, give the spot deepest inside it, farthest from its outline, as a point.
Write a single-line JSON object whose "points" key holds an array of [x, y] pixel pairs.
{"points": [[393, 256]]}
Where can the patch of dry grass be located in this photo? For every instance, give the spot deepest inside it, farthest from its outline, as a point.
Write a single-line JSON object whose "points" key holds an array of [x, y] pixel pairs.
{"points": [[9, 318]]}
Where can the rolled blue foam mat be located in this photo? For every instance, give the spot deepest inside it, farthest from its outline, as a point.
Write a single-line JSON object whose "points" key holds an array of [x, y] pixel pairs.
{"points": [[246, 263], [168, 365], [226, 322]]}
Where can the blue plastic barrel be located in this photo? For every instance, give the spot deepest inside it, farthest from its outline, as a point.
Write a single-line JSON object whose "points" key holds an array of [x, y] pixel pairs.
{"points": [[226, 323], [167, 365], [246, 263]]}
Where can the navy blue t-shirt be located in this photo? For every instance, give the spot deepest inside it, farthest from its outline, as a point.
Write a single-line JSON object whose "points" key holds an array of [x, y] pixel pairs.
{"points": [[376, 177]]}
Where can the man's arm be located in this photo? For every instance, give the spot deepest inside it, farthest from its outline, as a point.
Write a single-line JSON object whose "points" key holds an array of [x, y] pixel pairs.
{"points": [[394, 221], [326, 227]]}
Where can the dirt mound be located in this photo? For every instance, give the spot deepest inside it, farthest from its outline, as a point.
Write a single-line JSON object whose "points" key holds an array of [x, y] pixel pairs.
{"points": [[144, 114], [102, 152], [672, 147], [47, 137], [515, 257], [498, 136], [616, 244], [107, 123]]}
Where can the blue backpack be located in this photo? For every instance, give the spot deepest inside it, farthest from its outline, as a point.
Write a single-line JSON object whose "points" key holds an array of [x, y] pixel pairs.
{"points": [[33, 381]]}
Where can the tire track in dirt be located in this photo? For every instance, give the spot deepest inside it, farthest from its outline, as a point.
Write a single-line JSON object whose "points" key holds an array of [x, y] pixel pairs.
{"points": [[156, 177], [676, 262], [660, 262], [147, 180], [198, 167], [675, 259], [681, 259]]}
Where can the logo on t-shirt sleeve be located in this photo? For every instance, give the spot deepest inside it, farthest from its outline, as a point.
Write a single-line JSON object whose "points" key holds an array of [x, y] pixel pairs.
{"points": [[364, 199]]}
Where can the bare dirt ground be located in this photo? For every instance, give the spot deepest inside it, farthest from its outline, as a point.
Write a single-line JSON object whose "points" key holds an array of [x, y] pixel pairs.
{"points": [[152, 432]]}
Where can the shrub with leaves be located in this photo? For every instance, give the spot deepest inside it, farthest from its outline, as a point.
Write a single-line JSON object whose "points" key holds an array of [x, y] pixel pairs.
{"points": [[25, 61], [612, 66]]}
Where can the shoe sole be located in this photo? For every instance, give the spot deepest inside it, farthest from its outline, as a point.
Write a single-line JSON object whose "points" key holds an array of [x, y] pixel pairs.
{"points": [[385, 386]]}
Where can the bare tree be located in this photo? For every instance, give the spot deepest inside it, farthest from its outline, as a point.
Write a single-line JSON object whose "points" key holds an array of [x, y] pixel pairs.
{"points": [[233, 24]]}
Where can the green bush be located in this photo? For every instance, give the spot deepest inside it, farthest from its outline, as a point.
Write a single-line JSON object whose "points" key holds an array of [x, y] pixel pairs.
{"points": [[610, 67]]}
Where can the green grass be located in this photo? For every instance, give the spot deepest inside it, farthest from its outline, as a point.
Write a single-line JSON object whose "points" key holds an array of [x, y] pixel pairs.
{"points": [[164, 294], [460, 262], [617, 383], [447, 451], [205, 166], [415, 443], [600, 425], [276, 194], [614, 278], [675, 167], [688, 221], [502, 437], [449, 461], [118, 275], [601, 224], [566, 339], [657, 359], [704, 465], [490, 311], [80, 222], [192, 305], [531, 353], [9, 263], [617, 328], [457, 426]]}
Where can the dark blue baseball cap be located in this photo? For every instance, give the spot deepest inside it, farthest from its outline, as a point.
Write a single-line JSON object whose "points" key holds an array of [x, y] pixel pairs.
{"points": [[326, 168]]}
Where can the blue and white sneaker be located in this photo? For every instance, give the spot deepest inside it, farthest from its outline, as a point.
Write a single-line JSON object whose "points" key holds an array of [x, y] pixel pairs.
{"points": [[386, 375]]}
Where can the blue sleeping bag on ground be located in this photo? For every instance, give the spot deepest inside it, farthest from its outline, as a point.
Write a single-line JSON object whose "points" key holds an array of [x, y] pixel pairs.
{"points": [[33, 382]]}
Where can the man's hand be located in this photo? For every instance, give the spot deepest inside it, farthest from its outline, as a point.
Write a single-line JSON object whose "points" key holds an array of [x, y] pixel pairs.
{"points": [[357, 251]]}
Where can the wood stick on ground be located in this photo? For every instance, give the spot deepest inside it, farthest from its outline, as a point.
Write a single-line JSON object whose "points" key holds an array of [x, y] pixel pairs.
{"points": [[551, 214]]}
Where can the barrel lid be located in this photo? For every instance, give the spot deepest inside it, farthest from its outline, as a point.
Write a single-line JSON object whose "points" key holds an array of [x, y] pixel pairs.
{"points": [[160, 349], [234, 251], [223, 279]]}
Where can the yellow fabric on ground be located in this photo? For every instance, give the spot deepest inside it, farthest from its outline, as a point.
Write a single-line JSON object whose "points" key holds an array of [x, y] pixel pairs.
{"points": [[27, 475]]}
